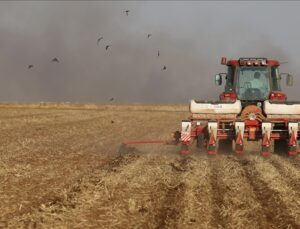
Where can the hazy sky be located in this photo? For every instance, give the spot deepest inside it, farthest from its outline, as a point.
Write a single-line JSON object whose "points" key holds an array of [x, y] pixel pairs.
{"points": [[191, 36]]}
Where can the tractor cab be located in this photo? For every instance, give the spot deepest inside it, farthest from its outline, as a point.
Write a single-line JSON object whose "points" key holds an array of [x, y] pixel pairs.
{"points": [[252, 80]]}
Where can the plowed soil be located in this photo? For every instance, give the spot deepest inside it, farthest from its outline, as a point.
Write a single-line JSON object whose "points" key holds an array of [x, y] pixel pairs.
{"points": [[60, 167]]}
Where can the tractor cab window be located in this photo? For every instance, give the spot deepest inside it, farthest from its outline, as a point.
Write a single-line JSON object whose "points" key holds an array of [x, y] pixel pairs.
{"points": [[275, 79], [252, 83]]}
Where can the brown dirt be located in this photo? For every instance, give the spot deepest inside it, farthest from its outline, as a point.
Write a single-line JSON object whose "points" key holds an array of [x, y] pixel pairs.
{"points": [[61, 167]]}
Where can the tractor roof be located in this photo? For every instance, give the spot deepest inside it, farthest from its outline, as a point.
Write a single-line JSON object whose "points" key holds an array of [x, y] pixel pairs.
{"points": [[252, 61]]}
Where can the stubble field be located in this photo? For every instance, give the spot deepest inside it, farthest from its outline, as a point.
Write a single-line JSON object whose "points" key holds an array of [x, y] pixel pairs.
{"points": [[60, 168]]}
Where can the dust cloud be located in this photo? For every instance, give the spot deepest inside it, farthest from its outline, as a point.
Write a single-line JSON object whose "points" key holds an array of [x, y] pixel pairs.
{"points": [[190, 44]]}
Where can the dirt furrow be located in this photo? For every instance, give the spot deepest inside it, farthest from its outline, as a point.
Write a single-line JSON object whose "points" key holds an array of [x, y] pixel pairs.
{"points": [[140, 199], [217, 191], [197, 200], [295, 161], [274, 208], [288, 171], [240, 208], [172, 206]]}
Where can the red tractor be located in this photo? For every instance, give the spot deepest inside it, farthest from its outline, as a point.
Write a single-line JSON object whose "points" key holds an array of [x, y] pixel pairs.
{"points": [[251, 108]]}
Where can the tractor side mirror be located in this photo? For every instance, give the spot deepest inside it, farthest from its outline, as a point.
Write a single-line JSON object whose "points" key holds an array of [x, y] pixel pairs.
{"points": [[289, 78], [218, 79]]}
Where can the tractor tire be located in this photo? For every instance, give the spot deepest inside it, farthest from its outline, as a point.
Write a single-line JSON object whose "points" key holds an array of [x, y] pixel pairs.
{"points": [[225, 146]]}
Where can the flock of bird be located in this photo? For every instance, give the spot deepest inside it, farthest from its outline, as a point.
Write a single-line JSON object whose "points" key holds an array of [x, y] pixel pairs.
{"points": [[55, 60], [148, 36], [108, 46]]}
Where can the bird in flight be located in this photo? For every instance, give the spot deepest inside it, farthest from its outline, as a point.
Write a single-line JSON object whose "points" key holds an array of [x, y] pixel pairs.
{"points": [[30, 66], [111, 99], [107, 46], [99, 39], [165, 67], [55, 60], [149, 35], [127, 12]]}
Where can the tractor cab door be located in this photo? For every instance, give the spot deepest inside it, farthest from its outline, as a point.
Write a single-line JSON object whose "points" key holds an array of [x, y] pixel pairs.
{"points": [[275, 79], [229, 86]]}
